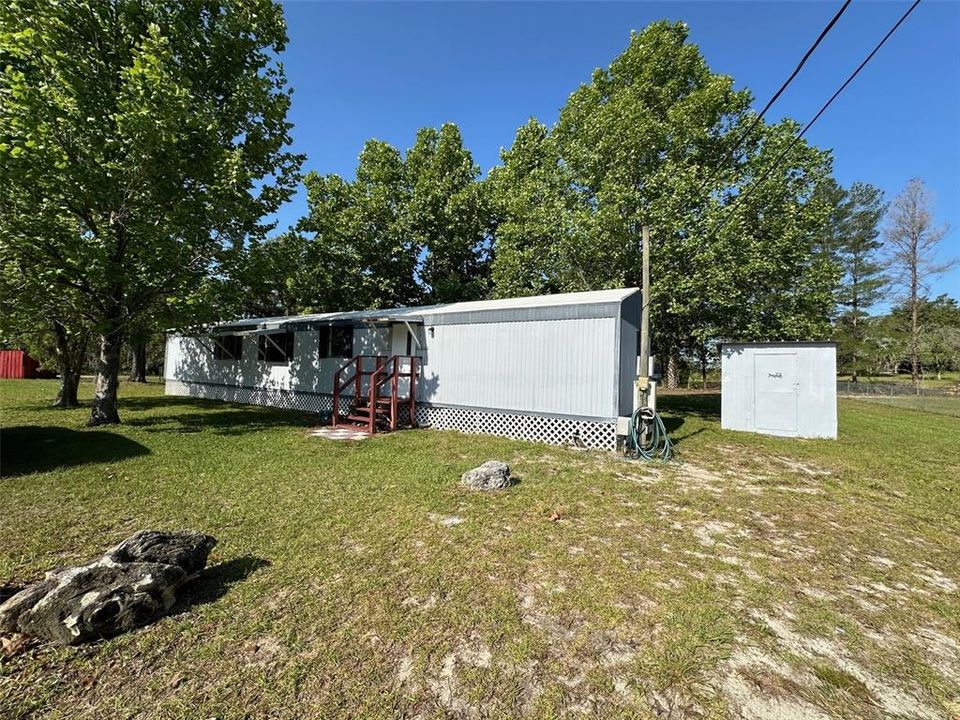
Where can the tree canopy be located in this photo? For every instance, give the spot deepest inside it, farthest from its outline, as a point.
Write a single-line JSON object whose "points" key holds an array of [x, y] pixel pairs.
{"points": [[409, 228], [853, 234], [657, 139], [153, 136]]}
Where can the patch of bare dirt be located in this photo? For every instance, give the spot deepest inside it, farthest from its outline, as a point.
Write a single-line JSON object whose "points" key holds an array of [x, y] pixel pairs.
{"points": [[943, 650], [801, 468], [262, 651], [420, 603], [445, 520], [891, 699], [760, 687], [708, 532], [444, 683]]}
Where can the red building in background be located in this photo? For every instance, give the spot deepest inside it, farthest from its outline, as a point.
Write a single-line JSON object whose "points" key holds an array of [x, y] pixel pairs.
{"points": [[17, 364]]}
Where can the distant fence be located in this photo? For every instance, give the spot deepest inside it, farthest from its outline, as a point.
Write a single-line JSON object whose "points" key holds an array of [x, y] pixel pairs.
{"points": [[890, 389]]}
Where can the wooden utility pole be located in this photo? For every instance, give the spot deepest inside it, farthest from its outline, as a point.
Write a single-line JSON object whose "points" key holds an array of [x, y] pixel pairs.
{"points": [[645, 307], [641, 391]]}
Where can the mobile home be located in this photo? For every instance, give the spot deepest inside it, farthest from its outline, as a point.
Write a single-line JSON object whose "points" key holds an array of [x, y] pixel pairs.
{"points": [[556, 368]]}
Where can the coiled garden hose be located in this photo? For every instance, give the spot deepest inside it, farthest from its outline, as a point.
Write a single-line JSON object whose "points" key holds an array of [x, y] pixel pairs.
{"points": [[657, 446]]}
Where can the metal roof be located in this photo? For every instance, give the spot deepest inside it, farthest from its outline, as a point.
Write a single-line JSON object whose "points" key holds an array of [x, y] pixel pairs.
{"points": [[426, 312]]}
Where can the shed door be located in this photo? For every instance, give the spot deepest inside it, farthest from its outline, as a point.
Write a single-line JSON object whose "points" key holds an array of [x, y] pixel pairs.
{"points": [[775, 392]]}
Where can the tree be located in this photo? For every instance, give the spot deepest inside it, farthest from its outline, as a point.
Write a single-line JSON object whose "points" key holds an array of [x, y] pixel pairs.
{"points": [[388, 252], [137, 340], [913, 241], [854, 231], [52, 340], [160, 130], [408, 229], [939, 322], [53, 326], [940, 348], [275, 277], [356, 242], [448, 216], [885, 344], [539, 219], [652, 140]]}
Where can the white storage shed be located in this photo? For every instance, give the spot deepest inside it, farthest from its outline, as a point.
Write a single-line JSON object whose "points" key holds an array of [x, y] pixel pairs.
{"points": [[554, 368], [780, 388]]}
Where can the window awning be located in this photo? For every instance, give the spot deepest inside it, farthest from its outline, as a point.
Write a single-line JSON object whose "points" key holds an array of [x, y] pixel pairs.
{"points": [[303, 323]]}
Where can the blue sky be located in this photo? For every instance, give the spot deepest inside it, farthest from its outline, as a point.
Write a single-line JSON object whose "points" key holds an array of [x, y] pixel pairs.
{"points": [[383, 70]]}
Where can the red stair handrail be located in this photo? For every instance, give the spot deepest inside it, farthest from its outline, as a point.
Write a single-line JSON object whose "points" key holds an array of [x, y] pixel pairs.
{"points": [[378, 377], [355, 379]]}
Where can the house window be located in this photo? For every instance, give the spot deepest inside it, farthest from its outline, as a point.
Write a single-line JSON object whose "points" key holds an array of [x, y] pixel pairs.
{"points": [[228, 347], [275, 347], [336, 341]]}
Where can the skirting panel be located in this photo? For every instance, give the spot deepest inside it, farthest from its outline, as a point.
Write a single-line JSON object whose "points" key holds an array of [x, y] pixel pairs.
{"points": [[595, 434], [305, 402], [598, 435]]}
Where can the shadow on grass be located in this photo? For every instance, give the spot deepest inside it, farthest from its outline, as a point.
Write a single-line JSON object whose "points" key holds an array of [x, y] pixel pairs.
{"points": [[32, 448], [704, 405], [673, 426], [677, 408], [149, 402], [214, 582], [233, 420]]}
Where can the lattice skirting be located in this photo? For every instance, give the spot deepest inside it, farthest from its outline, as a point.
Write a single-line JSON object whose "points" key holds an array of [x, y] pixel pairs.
{"points": [[596, 434], [306, 402]]}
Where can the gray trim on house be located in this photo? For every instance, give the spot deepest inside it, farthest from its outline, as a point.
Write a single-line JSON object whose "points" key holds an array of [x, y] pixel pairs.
{"points": [[583, 311]]}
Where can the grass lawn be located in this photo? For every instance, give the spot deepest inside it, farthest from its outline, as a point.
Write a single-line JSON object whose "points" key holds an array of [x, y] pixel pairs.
{"points": [[930, 380], [755, 578], [922, 403]]}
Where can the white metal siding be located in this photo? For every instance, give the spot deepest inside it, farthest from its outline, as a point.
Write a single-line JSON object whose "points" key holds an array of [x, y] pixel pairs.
{"points": [[756, 395], [565, 367], [189, 361]]}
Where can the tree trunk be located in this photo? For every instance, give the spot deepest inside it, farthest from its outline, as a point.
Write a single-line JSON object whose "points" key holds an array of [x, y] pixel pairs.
{"points": [[703, 366], [70, 353], [672, 376], [104, 410], [67, 394], [914, 329], [138, 361]]}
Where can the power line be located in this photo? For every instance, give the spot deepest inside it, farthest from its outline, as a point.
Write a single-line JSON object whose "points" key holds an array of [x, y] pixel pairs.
{"points": [[803, 61], [746, 193]]}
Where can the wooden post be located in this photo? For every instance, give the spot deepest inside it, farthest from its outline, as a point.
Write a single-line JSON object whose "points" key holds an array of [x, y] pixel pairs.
{"points": [[372, 400], [394, 389], [357, 380], [643, 371], [413, 391], [336, 398], [645, 307]]}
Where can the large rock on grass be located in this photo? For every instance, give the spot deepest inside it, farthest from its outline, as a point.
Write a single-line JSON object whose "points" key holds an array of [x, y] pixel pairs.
{"points": [[492, 475], [131, 586], [186, 549]]}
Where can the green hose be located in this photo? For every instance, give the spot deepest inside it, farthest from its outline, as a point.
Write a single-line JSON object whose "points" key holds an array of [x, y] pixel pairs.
{"points": [[658, 445]]}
